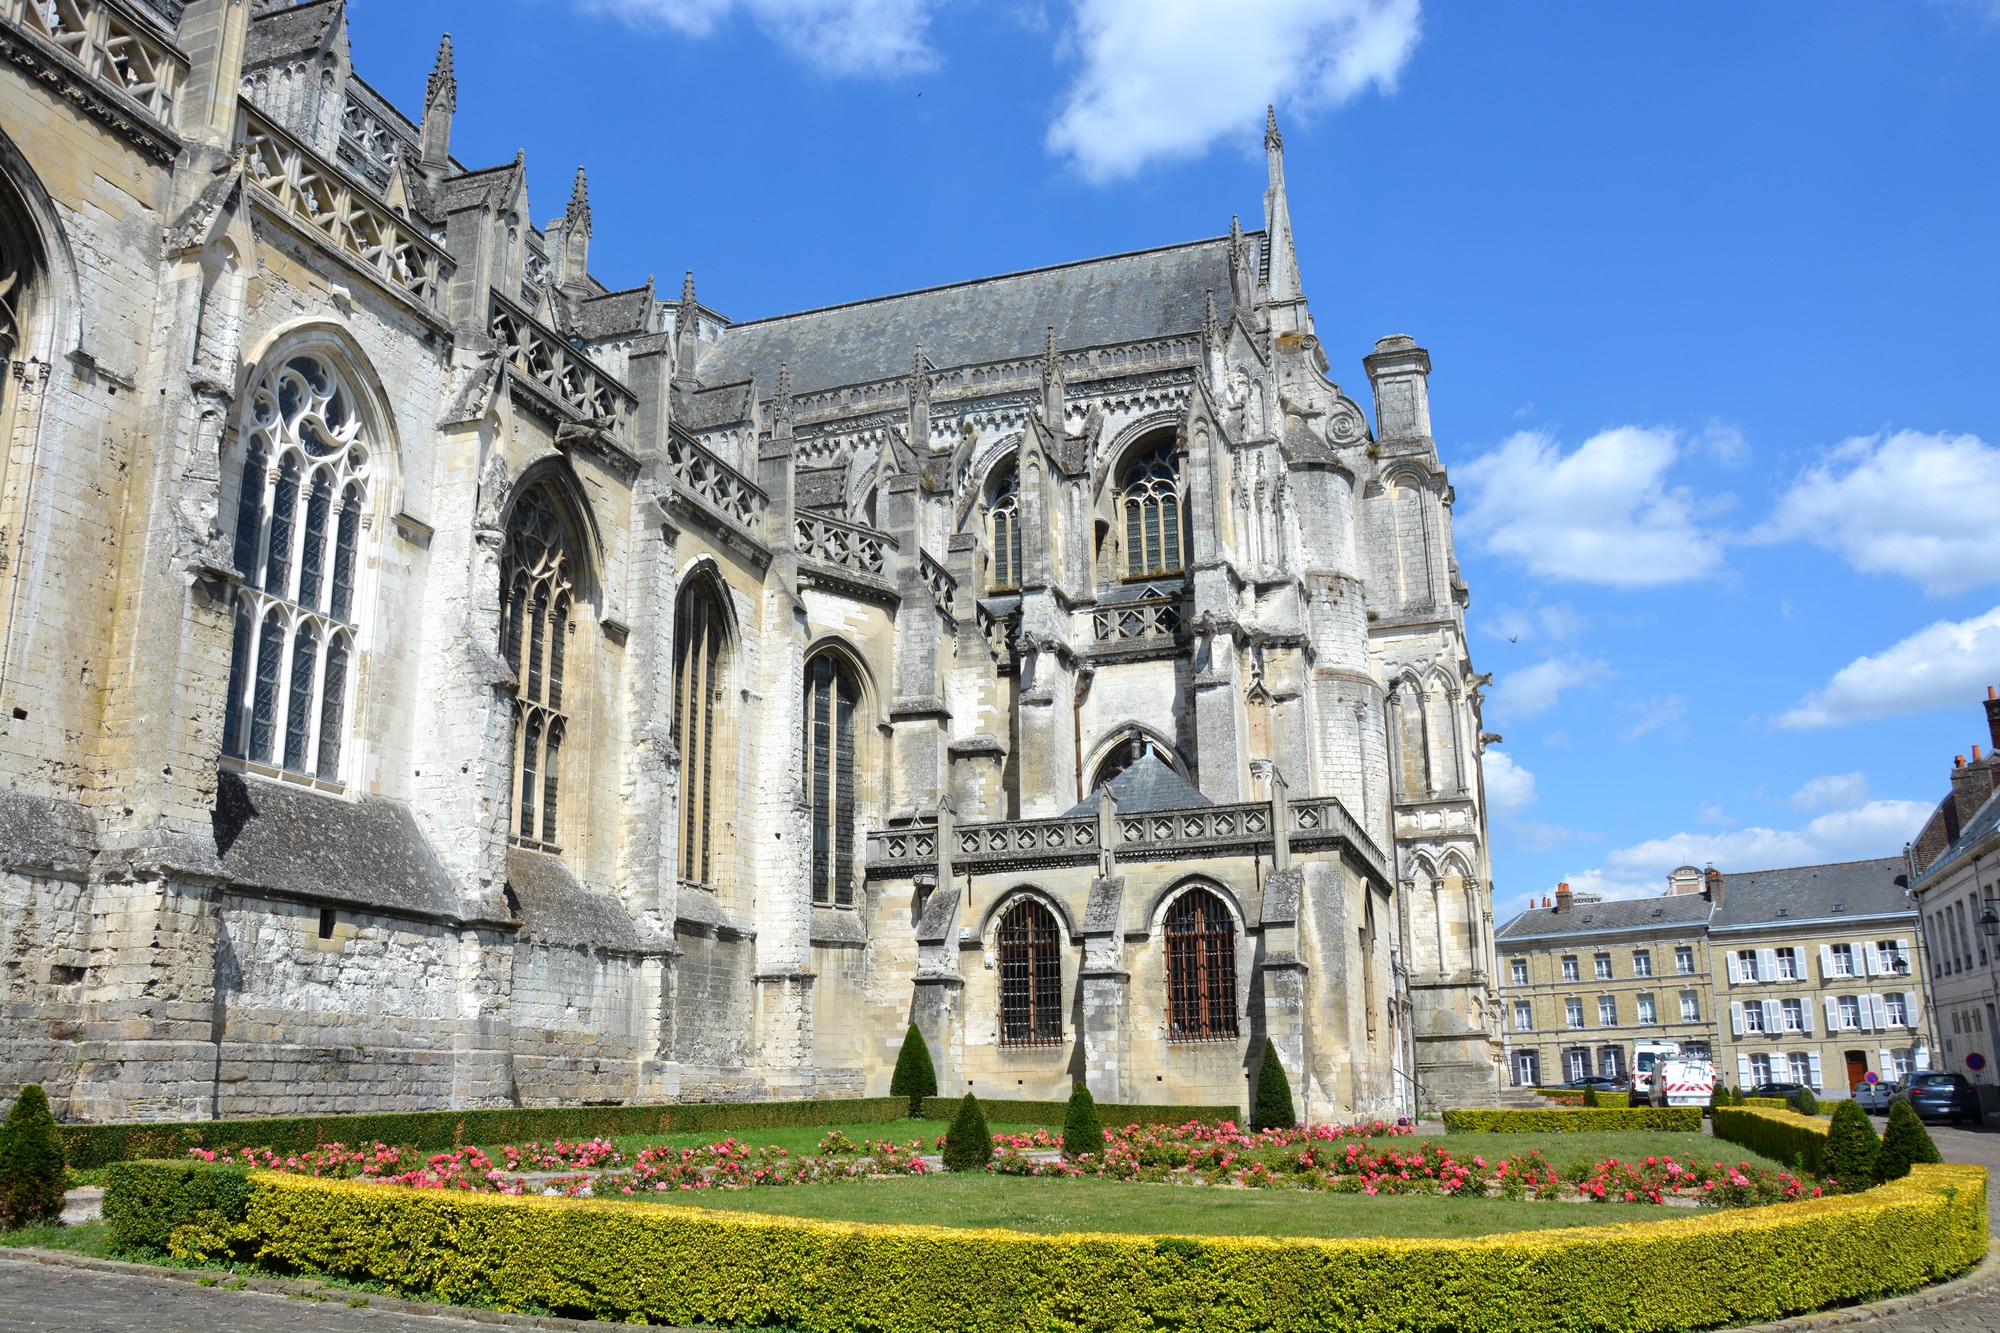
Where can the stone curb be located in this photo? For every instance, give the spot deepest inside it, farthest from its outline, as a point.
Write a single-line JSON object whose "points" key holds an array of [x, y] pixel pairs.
{"points": [[1982, 1280]]}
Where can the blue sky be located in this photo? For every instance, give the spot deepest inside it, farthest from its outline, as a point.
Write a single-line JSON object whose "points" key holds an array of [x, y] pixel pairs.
{"points": [[1712, 295]]}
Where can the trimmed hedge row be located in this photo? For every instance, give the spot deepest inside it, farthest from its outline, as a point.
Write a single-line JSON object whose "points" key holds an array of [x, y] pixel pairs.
{"points": [[1111, 1113], [1574, 1119], [638, 1262], [145, 1201], [1574, 1097], [1783, 1136], [436, 1131], [1767, 1103]]}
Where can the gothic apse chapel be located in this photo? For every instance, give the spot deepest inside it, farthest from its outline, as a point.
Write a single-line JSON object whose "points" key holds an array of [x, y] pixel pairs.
{"points": [[430, 676]]}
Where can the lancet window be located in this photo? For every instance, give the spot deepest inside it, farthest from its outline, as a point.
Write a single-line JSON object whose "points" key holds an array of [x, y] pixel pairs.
{"points": [[302, 492], [1030, 976], [1003, 521], [1201, 968], [832, 699], [1149, 496], [537, 599], [699, 659]]}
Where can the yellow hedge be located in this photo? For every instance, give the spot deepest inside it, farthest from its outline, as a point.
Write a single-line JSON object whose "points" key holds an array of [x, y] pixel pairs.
{"points": [[621, 1260], [1781, 1135], [1573, 1120]]}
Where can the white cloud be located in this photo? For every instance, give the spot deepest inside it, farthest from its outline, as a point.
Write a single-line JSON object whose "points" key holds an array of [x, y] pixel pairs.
{"points": [[1909, 504], [1559, 622], [1941, 665], [869, 37], [1603, 514], [1711, 812], [1536, 689], [1655, 714], [1878, 828], [1164, 79], [1835, 791], [1510, 788]]}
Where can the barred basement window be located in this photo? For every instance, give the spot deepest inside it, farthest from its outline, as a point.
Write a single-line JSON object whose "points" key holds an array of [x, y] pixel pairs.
{"points": [[1004, 535], [1149, 494], [537, 596], [1201, 968], [301, 489], [698, 652], [1030, 976], [831, 699]]}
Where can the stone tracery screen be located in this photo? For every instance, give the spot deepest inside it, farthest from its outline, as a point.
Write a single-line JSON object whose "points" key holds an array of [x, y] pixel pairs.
{"points": [[1201, 968], [1149, 494], [1004, 535], [831, 700], [536, 600], [698, 647], [301, 496], [1030, 976]]}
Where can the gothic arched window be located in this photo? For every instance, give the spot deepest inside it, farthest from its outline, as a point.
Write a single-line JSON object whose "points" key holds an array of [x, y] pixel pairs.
{"points": [[536, 598], [13, 287], [1030, 976], [301, 491], [1003, 520], [832, 698], [698, 673], [1201, 968], [1149, 496]]}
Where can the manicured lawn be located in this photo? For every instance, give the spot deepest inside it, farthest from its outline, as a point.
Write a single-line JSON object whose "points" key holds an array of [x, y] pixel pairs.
{"points": [[91, 1238], [1052, 1206], [1563, 1150]]}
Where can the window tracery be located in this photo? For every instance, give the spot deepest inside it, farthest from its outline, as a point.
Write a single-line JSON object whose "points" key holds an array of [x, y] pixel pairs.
{"points": [[699, 649], [537, 598], [1003, 521], [832, 698], [301, 492], [1149, 498], [1201, 968], [1030, 976]]}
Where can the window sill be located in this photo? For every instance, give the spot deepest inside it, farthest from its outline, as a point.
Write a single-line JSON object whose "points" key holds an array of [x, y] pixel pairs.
{"points": [[277, 774]]}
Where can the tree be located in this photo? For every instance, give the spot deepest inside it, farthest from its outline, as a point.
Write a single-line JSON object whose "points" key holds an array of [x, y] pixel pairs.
{"points": [[1273, 1109], [1804, 1102], [1851, 1148], [32, 1179], [1718, 1096], [968, 1144], [1904, 1143], [1590, 1097], [1083, 1131], [915, 1076]]}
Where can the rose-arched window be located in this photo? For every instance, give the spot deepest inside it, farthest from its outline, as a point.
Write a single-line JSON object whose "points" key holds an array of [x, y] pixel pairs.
{"points": [[1149, 497], [302, 495], [698, 672], [1030, 976], [832, 698], [1201, 968], [536, 602], [1003, 519]]}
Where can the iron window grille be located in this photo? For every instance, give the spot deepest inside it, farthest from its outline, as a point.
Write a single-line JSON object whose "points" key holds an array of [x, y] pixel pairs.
{"points": [[1201, 969], [1030, 977]]}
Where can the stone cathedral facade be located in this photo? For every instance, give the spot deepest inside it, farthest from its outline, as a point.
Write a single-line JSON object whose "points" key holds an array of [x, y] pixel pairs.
{"points": [[430, 676]]}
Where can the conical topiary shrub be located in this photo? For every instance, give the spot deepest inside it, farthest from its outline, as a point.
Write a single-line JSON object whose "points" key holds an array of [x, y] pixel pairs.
{"points": [[915, 1077], [968, 1144], [1904, 1143], [1590, 1097], [1083, 1131], [1273, 1108], [1718, 1096], [1804, 1102], [32, 1180], [1851, 1148]]}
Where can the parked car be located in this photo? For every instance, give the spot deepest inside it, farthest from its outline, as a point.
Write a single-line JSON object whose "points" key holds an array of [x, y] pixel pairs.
{"points": [[1784, 1090], [1598, 1081], [1941, 1097], [1874, 1098]]}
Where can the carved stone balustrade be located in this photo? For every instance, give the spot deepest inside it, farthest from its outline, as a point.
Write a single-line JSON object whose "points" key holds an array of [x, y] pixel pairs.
{"points": [[943, 588], [539, 356], [719, 488], [841, 545], [1156, 618], [368, 145], [117, 45], [318, 198]]}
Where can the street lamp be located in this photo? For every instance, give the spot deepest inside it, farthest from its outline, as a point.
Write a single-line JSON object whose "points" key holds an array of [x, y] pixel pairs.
{"points": [[1989, 923]]}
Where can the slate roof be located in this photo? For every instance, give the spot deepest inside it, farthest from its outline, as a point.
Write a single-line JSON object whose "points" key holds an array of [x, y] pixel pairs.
{"points": [[1090, 303], [1813, 893], [1149, 784], [613, 313], [706, 409], [1683, 909], [281, 32], [1985, 822], [289, 840], [556, 908]]}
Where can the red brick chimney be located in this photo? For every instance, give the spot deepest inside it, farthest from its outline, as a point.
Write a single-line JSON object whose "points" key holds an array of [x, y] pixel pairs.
{"points": [[1993, 717], [1712, 878], [1562, 896]]}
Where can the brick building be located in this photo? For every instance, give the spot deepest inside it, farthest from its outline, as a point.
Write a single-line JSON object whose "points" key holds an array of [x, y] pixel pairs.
{"points": [[433, 675]]}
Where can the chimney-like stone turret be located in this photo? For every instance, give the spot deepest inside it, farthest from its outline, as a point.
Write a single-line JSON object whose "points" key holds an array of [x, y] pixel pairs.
{"points": [[576, 240], [1400, 371], [440, 101]]}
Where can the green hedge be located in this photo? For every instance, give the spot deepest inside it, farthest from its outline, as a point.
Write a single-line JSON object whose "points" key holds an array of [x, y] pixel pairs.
{"points": [[638, 1262], [1781, 1135], [436, 1131], [1768, 1103], [145, 1201], [1574, 1120], [1573, 1097], [1113, 1114]]}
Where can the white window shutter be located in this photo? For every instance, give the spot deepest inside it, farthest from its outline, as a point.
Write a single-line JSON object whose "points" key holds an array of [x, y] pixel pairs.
{"points": [[1871, 959], [1736, 1018], [1903, 952], [1884, 1065], [1805, 1016], [1860, 952], [1879, 1009], [1825, 962], [1733, 976], [1812, 1069], [1767, 964], [1832, 1014], [1743, 1069], [1774, 1016]]}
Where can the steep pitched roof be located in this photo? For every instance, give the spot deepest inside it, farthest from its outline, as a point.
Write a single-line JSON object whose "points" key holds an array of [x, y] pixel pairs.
{"points": [[288, 30], [1149, 784], [613, 313], [272, 835], [1684, 909], [1092, 302], [1985, 822], [1812, 893]]}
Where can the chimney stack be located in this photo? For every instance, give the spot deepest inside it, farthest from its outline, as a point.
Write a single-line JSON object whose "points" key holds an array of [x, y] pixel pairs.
{"points": [[1993, 718], [1562, 896], [1713, 878]]}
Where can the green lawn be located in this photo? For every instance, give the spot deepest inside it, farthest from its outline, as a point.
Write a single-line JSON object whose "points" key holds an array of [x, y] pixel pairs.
{"points": [[1050, 1206], [91, 1238]]}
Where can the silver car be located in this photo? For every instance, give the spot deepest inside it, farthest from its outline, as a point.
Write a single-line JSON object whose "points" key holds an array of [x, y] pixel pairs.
{"points": [[1874, 1097]]}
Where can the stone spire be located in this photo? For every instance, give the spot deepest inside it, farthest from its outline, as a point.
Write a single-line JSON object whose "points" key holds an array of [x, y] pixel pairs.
{"points": [[577, 217], [687, 333], [1284, 283], [440, 100], [576, 240], [781, 405], [1211, 321], [920, 406], [1052, 384]]}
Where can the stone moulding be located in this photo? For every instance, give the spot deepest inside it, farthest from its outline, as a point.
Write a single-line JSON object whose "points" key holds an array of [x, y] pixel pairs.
{"points": [[104, 61]]}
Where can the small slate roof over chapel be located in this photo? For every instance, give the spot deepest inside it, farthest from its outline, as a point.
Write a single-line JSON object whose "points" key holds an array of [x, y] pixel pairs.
{"points": [[1091, 303], [1591, 918], [1149, 784], [1813, 893], [272, 835]]}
